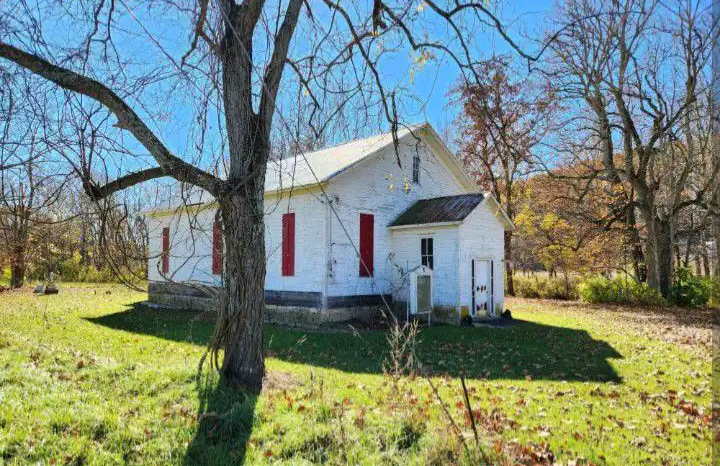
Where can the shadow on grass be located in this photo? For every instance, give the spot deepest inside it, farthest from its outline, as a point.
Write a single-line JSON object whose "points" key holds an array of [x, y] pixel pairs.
{"points": [[225, 424], [524, 351]]}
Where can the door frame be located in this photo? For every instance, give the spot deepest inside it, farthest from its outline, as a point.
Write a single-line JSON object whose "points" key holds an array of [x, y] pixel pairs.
{"points": [[491, 283]]}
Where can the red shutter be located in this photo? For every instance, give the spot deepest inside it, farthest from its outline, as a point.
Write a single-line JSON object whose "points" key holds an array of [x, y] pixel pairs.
{"points": [[217, 253], [367, 222], [165, 250], [288, 245]]}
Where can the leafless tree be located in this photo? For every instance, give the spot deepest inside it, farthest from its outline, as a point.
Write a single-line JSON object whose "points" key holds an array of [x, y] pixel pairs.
{"points": [[28, 188], [638, 71]]}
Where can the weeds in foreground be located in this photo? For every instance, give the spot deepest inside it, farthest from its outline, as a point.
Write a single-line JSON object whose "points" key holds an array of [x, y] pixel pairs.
{"points": [[402, 367], [402, 359]]}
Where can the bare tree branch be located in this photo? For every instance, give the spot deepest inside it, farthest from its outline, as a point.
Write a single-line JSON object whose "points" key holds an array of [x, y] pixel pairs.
{"points": [[100, 192], [127, 118]]}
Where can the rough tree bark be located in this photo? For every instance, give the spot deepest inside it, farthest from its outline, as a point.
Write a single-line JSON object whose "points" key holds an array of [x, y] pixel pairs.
{"points": [[17, 268], [242, 313], [716, 234], [508, 263], [659, 254], [241, 201], [705, 261], [638, 256]]}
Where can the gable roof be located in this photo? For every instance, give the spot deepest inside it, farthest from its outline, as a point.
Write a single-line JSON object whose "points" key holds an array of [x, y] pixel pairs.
{"points": [[439, 210], [322, 165], [318, 167]]}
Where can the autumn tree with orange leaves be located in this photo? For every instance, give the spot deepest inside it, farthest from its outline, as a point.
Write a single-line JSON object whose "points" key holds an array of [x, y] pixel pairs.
{"points": [[502, 122]]}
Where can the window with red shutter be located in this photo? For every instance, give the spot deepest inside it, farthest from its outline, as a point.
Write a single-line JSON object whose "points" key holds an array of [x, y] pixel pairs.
{"points": [[288, 245], [165, 250], [217, 252], [367, 222]]}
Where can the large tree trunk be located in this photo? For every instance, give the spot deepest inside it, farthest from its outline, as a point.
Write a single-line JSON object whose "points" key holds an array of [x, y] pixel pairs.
{"points": [[17, 267], [705, 259], [639, 267], [659, 255], [706, 264], [509, 264], [83, 241], [17, 273], [716, 237], [240, 324], [638, 257], [243, 222], [243, 305]]}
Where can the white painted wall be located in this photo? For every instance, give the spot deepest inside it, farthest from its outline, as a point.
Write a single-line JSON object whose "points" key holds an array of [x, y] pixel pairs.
{"points": [[406, 246], [375, 186], [190, 247], [309, 241], [481, 237], [191, 244]]}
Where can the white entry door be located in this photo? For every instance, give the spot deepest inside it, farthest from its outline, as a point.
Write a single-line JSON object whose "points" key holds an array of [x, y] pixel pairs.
{"points": [[482, 286]]}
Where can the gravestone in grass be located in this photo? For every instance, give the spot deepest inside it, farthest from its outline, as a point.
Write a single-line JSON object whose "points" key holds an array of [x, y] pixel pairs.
{"points": [[51, 288]]}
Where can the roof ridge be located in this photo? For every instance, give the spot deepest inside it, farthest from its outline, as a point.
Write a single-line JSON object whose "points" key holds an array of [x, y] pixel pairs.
{"points": [[410, 128]]}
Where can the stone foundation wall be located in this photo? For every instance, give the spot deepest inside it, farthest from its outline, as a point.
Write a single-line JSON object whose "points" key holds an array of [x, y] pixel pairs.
{"points": [[180, 301], [189, 297], [303, 317], [441, 314], [180, 296], [446, 315]]}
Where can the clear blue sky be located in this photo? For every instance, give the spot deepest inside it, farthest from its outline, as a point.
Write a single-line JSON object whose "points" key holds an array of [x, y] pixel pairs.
{"points": [[153, 40], [525, 24], [430, 87]]}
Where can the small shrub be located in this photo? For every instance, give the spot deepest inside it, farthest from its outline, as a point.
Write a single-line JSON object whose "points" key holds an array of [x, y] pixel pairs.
{"points": [[402, 359], [92, 275], [72, 269], [714, 291], [689, 290], [545, 288], [619, 290], [410, 433]]}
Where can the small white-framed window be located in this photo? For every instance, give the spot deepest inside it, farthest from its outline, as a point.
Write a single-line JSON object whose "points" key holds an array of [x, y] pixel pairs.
{"points": [[416, 169], [427, 257]]}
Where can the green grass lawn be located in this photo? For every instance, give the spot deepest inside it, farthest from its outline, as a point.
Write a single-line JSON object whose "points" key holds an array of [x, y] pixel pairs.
{"points": [[90, 377]]}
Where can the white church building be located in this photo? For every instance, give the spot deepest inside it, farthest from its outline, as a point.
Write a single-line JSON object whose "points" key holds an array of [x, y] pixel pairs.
{"points": [[349, 231]]}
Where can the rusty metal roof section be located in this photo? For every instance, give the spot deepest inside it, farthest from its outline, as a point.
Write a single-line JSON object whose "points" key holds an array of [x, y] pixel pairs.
{"points": [[439, 210]]}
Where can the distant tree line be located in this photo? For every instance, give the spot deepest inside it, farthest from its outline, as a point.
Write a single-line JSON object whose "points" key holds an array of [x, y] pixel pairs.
{"points": [[603, 155]]}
